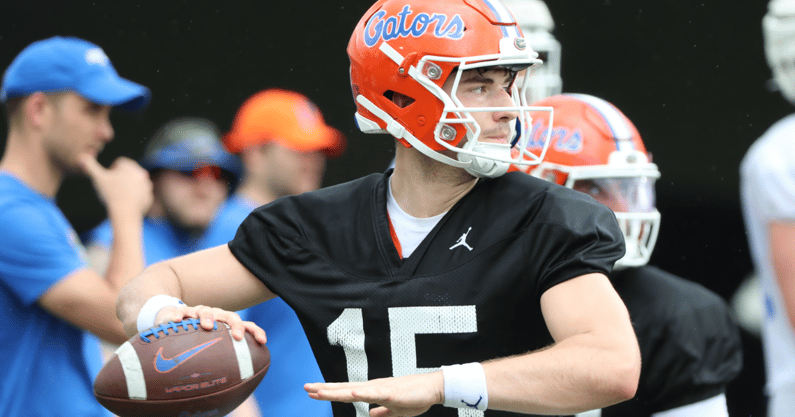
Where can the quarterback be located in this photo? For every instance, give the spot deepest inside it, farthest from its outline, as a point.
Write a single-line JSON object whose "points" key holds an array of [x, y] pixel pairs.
{"points": [[443, 287]]}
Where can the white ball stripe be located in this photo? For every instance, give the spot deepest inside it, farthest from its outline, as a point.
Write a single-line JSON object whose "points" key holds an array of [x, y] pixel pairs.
{"points": [[243, 357], [133, 373]]}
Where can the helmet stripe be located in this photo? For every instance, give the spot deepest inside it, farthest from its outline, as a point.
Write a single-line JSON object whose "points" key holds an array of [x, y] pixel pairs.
{"points": [[622, 133], [503, 15]]}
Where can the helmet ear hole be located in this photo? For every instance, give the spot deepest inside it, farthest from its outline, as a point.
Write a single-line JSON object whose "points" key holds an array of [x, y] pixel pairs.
{"points": [[399, 99]]}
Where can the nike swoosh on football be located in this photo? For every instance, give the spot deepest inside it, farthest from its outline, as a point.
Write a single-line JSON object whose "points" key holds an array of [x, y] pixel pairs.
{"points": [[164, 365]]}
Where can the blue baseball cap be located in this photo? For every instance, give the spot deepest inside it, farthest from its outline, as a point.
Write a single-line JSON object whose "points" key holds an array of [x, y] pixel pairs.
{"points": [[186, 144], [62, 64]]}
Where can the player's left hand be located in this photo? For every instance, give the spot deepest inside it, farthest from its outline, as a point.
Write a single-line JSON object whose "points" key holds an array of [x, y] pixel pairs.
{"points": [[208, 316], [409, 395]]}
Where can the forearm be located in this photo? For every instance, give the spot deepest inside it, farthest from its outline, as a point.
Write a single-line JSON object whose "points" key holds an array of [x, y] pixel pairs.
{"points": [[594, 363], [782, 236], [87, 302], [126, 258], [211, 277], [156, 279], [126, 191], [575, 375]]}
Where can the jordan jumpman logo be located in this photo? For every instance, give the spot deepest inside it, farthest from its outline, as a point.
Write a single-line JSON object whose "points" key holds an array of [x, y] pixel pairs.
{"points": [[462, 241]]}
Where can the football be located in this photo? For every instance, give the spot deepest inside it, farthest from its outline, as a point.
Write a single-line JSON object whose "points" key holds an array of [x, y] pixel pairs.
{"points": [[181, 370]]}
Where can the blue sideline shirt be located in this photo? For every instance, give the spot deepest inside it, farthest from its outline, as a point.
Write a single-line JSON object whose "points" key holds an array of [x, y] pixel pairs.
{"points": [[46, 371]]}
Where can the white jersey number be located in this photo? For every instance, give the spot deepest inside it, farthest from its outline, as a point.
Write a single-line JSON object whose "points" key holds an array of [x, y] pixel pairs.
{"points": [[347, 331]]}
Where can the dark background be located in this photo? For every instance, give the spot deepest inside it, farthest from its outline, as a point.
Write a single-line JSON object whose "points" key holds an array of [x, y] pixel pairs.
{"points": [[690, 74]]}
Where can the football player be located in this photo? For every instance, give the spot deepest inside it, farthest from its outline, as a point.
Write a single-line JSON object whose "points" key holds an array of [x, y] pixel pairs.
{"points": [[442, 283], [690, 347], [767, 177], [681, 394]]}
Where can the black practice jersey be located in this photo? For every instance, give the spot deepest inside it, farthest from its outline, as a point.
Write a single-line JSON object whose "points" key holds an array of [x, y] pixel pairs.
{"points": [[368, 313], [690, 347]]}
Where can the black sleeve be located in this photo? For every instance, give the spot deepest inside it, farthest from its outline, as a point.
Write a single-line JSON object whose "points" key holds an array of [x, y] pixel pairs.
{"points": [[263, 247], [581, 237], [690, 345]]}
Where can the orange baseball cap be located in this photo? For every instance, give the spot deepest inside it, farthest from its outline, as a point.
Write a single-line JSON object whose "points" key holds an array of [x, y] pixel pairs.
{"points": [[285, 117]]}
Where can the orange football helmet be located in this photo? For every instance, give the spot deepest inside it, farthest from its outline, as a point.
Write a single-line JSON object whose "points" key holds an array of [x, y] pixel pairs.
{"points": [[597, 150], [408, 49]]}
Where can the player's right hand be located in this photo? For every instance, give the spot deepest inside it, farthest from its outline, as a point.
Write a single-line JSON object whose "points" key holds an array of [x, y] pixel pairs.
{"points": [[125, 188], [208, 315], [405, 396]]}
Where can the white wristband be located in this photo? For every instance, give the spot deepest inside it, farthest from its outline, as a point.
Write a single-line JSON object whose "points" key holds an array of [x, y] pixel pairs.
{"points": [[146, 317], [465, 386]]}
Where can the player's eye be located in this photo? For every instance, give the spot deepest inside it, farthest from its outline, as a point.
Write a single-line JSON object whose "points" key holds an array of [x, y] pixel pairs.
{"points": [[588, 187], [94, 108]]}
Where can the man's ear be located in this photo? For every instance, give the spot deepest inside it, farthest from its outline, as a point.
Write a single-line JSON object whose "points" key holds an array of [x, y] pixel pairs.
{"points": [[37, 109], [255, 155], [247, 156]]}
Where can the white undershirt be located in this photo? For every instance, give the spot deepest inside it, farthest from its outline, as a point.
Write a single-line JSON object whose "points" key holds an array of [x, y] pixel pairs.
{"points": [[410, 230]]}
